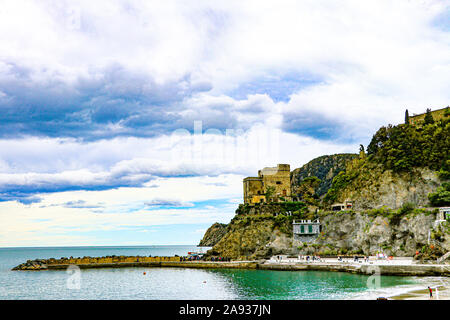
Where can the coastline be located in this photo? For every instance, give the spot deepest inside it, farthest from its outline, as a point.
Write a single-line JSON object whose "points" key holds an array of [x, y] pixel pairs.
{"points": [[401, 267], [424, 275]]}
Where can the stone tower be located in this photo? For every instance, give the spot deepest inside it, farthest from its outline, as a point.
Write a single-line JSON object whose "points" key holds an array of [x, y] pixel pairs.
{"points": [[255, 188]]}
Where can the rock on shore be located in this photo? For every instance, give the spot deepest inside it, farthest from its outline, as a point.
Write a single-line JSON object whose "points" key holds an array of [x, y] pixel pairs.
{"points": [[37, 264]]}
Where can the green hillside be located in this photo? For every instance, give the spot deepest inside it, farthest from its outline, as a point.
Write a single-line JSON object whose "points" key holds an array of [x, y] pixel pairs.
{"points": [[324, 168], [404, 163]]}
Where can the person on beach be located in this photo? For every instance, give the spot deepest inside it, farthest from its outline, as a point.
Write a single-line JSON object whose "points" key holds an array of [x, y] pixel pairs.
{"points": [[431, 292]]}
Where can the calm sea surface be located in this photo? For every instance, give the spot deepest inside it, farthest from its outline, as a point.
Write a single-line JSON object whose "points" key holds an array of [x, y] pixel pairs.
{"points": [[178, 283]]}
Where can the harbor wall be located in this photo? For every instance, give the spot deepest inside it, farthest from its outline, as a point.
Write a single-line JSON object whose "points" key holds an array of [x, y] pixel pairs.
{"points": [[175, 262]]}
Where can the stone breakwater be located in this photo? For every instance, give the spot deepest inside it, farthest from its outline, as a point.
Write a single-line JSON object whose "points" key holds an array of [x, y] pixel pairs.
{"points": [[93, 262], [176, 262]]}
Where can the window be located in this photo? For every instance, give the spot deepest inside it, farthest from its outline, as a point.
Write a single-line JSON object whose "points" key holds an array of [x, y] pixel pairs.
{"points": [[310, 228], [278, 182], [302, 229]]}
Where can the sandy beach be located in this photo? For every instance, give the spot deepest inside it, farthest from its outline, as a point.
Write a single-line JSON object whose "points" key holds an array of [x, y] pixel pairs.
{"points": [[440, 286]]}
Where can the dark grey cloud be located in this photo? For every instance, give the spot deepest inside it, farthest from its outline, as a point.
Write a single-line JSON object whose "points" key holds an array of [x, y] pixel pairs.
{"points": [[314, 125], [107, 103], [21, 197]]}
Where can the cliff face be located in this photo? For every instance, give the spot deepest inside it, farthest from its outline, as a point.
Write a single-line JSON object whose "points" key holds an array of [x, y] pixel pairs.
{"points": [[251, 237], [403, 165], [369, 186], [325, 168], [213, 235], [367, 233], [262, 236]]}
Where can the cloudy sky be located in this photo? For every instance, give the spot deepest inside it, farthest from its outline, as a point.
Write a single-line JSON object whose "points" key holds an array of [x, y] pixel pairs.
{"points": [[134, 122]]}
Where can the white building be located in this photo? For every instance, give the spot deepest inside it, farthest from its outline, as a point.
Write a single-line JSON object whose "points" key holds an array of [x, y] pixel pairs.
{"points": [[306, 230]]}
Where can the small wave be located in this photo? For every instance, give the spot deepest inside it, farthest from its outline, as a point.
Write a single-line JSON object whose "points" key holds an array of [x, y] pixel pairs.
{"points": [[389, 292]]}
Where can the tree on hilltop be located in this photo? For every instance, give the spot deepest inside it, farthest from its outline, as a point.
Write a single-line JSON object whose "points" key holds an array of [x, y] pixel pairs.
{"points": [[428, 117], [447, 112]]}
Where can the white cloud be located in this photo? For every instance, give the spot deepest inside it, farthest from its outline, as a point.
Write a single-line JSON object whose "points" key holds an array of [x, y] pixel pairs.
{"points": [[123, 209], [368, 61], [349, 67], [33, 166]]}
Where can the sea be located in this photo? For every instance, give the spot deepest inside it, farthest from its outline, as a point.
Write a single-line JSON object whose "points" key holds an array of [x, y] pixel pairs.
{"points": [[180, 283]]}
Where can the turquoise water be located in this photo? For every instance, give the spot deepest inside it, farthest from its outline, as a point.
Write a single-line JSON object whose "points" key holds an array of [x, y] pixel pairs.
{"points": [[176, 283]]}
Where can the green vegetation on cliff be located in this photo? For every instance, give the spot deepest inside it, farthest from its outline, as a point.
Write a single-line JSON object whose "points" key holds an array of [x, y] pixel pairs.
{"points": [[306, 190], [296, 208], [343, 179], [404, 164], [442, 195], [213, 234], [324, 168], [403, 147], [406, 169]]}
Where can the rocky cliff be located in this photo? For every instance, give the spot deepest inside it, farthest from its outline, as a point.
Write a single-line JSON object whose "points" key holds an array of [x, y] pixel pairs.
{"points": [[325, 168], [255, 237], [390, 187], [398, 233], [370, 186], [393, 232], [213, 235]]}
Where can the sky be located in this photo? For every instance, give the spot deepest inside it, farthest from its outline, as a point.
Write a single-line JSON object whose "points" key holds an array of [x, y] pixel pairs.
{"points": [[134, 122]]}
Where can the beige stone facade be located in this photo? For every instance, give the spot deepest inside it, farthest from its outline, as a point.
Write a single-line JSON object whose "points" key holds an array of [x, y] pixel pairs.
{"points": [[255, 188]]}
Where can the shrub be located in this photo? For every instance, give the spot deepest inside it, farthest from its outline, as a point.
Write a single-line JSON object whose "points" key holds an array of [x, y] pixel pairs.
{"points": [[403, 147], [294, 206], [406, 208], [340, 181], [383, 211], [280, 220], [441, 197]]}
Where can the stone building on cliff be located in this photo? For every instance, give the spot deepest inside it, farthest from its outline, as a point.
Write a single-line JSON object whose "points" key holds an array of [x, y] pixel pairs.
{"points": [[271, 182]]}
